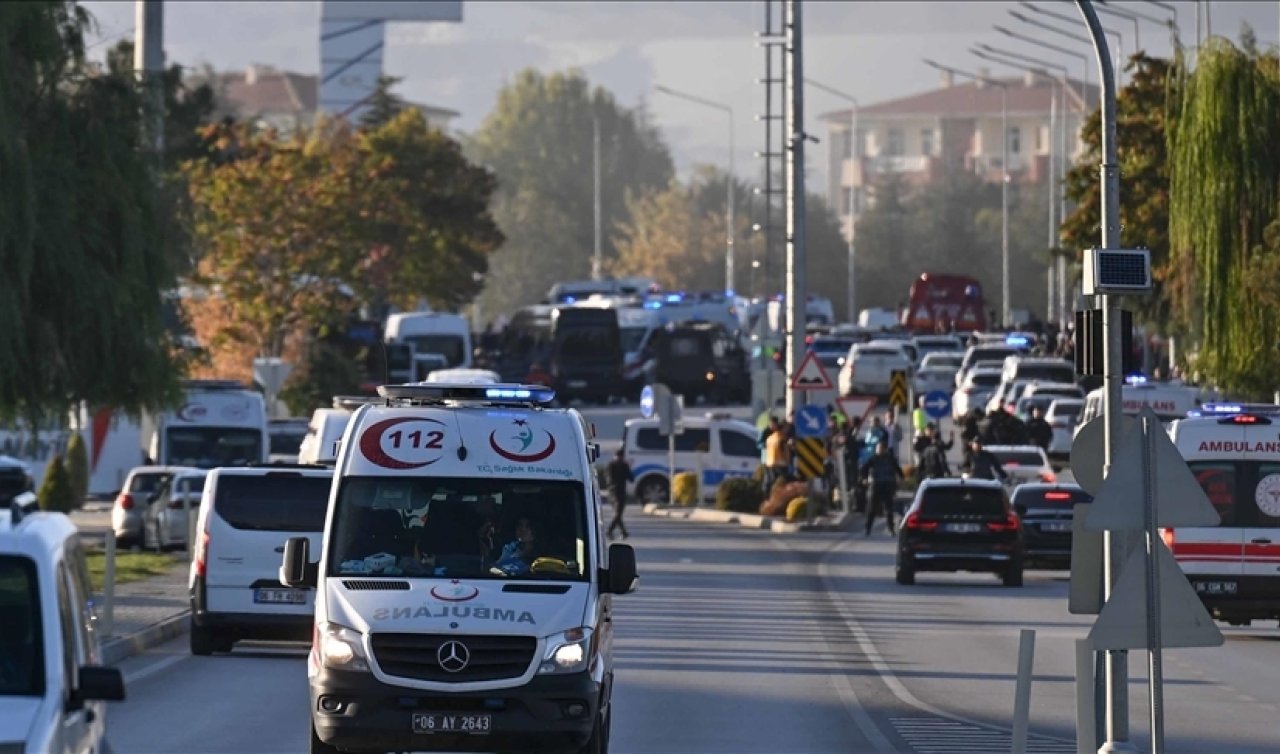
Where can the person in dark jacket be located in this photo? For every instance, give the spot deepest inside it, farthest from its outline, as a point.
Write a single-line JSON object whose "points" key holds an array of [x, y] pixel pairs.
{"points": [[884, 472], [619, 473], [933, 461], [984, 464], [1039, 430]]}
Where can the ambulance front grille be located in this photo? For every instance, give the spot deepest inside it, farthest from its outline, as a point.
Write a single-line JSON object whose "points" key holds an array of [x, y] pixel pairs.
{"points": [[487, 658]]}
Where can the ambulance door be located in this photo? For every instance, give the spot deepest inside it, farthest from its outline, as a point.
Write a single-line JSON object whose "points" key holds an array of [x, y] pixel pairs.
{"points": [[1212, 556], [1261, 529]]}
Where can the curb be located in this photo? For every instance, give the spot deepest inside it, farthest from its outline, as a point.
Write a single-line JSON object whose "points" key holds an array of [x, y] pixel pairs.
{"points": [[121, 648]]}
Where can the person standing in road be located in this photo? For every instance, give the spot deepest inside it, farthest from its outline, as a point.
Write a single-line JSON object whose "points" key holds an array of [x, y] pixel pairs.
{"points": [[933, 461], [983, 463], [884, 472], [619, 472], [919, 420], [1039, 430]]}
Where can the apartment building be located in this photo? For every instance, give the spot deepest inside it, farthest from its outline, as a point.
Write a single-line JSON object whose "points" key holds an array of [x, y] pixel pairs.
{"points": [[956, 126]]}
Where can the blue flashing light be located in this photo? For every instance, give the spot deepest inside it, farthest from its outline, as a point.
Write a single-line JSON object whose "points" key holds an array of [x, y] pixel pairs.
{"points": [[1135, 379], [1016, 340], [673, 298], [570, 299], [1222, 408], [653, 305], [503, 392], [729, 293]]}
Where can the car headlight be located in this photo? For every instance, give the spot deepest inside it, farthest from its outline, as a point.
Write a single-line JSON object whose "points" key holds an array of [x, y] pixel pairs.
{"points": [[341, 648], [570, 652]]}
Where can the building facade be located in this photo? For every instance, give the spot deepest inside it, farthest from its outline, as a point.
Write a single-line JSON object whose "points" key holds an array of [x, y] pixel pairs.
{"points": [[954, 127]]}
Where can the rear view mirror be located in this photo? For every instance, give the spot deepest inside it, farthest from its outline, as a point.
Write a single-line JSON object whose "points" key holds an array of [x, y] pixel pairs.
{"points": [[621, 577], [99, 684], [295, 568]]}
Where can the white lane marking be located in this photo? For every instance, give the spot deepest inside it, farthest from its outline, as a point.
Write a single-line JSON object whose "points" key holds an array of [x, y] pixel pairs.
{"points": [[154, 668], [848, 696], [882, 668]]}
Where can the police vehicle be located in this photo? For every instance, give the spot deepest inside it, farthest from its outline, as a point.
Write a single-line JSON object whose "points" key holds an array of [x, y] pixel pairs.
{"points": [[464, 591], [715, 444], [1234, 452]]}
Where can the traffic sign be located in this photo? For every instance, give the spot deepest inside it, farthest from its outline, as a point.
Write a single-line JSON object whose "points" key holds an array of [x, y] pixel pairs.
{"points": [[810, 375], [1184, 622], [937, 404], [811, 421], [271, 373], [899, 394], [647, 402], [858, 406], [811, 456], [1087, 450]]}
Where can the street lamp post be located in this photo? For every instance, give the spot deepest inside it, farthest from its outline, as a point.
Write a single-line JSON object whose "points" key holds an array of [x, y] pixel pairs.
{"points": [[729, 184], [1004, 179], [851, 311], [1085, 61], [1063, 32]]}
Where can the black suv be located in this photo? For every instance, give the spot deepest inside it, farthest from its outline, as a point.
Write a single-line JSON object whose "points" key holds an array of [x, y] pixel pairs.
{"points": [[1046, 511], [960, 525]]}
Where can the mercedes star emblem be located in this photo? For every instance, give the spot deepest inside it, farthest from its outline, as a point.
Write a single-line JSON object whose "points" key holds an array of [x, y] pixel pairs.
{"points": [[453, 656]]}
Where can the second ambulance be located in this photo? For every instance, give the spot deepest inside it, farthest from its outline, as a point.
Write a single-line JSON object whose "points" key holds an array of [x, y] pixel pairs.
{"points": [[463, 589]]}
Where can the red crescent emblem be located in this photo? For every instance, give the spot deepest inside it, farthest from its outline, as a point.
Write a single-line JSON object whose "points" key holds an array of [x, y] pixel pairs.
{"points": [[371, 444], [531, 458], [461, 594]]}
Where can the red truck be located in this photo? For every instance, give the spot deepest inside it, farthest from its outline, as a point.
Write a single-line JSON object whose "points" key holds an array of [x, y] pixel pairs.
{"points": [[945, 303]]}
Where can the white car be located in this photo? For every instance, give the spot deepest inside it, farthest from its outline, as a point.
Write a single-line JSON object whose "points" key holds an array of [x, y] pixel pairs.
{"points": [[245, 517], [718, 445], [975, 390], [931, 344], [943, 360], [1062, 415], [929, 379], [1024, 463], [164, 521], [1006, 395], [1053, 389], [131, 503], [52, 683], [870, 366]]}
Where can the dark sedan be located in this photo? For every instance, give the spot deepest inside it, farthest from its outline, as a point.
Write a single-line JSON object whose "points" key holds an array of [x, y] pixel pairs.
{"points": [[1046, 511], [960, 525]]}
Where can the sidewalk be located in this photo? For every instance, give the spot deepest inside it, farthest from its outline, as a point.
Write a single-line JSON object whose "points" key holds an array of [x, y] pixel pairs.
{"points": [[835, 521], [146, 613]]}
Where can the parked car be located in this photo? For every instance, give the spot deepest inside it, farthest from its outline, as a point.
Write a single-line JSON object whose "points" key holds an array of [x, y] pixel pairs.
{"points": [[1024, 463], [164, 520], [960, 525], [1047, 511], [126, 513]]}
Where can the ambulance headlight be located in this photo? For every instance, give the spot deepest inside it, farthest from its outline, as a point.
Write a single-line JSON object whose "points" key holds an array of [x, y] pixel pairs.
{"points": [[341, 648], [570, 652]]}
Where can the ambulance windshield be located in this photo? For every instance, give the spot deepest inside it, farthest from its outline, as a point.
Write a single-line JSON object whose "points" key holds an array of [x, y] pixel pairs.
{"points": [[460, 528]]}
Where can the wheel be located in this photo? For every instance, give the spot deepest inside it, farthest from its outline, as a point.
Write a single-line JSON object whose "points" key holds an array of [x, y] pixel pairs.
{"points": [[653, 489], [905, 574], [203, 642], [599, 741], [1013, 574], [320, 747]]}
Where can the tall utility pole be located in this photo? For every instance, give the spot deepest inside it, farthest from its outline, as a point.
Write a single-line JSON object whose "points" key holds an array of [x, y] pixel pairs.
{"points": [[797, 293], [1116, 667], [597, 261], [148, 64], [851, 302]]}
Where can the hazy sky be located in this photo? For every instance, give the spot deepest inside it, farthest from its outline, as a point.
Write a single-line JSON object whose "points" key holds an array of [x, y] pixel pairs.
{"points": [[871, 50]]}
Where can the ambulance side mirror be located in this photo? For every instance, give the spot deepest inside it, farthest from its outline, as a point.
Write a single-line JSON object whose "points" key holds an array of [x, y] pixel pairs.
{"points": [[295, 568], [621, 576]]}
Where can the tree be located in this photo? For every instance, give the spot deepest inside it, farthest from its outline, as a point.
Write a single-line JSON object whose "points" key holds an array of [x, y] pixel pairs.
{"points": [[77, 463], [383, 104], [56, 494], [1142, 117], [1224, 170], [538, 141]]}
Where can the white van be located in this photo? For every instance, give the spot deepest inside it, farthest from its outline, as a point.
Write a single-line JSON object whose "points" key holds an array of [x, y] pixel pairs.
{"points": [[1169, 401], [324, 431], [448, 335], [246, 514], [720, 446], [463, 587], [52, 684], [220, 423]]}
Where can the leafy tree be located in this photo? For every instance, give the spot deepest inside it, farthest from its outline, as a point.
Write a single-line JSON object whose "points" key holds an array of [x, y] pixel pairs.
{"points": [[186, 108], [324, 373], [1224, 169], [384, 105], [538, 141], [77, 464], [1142, 119], [55, 493]]}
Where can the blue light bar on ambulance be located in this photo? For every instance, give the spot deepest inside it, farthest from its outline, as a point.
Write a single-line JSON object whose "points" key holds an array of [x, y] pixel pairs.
{"points": [[1016, 340], [1135, 379], [674, 298], [653, 304], [1239, 409], [491, 393]]}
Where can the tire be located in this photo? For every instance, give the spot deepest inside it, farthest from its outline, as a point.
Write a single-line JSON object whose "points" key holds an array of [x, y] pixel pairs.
{"points": [[1013, 574], [653, 489], [904, 574], [320, 747], [203, 642], [599, 741]]}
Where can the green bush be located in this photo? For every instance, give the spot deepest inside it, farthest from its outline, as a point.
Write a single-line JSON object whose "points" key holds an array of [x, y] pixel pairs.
{"points": [[78, 468], [797, 509], [55, 491], [738, 494], [685, 490]]}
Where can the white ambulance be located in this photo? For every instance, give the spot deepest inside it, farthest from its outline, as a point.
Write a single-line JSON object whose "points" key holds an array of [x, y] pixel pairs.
{"points": [[464, 591], [1234, 452], [220, 423], [1169, 400]]}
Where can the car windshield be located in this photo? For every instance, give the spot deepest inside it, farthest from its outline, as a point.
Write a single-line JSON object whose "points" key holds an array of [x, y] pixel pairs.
{"points": [[824, 346], [1018, 458], [877, 352], [962, 501], [1068, 410], [1060, 497], [210, 447], [631, 337], [985, 379], [275, 501], [1047, 372], [448, 346], [487, 528], [21, 642], [145, 484], [940, 359], [287, 443]]}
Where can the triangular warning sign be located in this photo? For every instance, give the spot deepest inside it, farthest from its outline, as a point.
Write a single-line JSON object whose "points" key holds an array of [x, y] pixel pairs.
{"points": [[967, 316], [1184, 622], [856, 406], [1180, 500], [810, 375]]}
